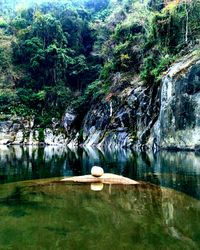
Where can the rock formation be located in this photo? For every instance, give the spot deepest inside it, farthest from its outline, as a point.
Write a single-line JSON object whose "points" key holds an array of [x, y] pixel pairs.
{"points": [[178, 125], [131, 115]]}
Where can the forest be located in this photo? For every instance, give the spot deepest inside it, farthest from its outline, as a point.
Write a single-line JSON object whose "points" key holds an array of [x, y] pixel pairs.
{"points": [[56, 55]]}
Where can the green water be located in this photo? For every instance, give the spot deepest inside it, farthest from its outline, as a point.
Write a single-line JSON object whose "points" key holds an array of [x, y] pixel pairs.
{"points": [[47, 214], [60, 216]]}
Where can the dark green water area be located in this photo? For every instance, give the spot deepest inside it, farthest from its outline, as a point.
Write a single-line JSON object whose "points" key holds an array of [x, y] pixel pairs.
{"points": [[37, 211]]}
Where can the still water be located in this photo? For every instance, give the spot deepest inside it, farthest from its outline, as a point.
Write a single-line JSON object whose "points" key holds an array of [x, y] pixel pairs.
{"points": [[161, 213], [177, 170]]}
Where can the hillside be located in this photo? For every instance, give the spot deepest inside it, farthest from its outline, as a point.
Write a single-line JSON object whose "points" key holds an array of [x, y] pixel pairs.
{"points": [[84, 72]]}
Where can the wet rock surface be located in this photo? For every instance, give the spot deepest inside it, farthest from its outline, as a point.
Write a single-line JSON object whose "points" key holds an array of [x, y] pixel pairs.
{"points": [[105, 179]]}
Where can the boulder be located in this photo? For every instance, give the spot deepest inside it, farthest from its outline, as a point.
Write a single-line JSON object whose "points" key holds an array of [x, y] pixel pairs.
{"points": [[97, 171]]}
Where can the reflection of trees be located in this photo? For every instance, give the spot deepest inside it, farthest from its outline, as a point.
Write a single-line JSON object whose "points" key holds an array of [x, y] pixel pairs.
{"points": [[74, 161], [18, 197], [20, 163], [178, 170]]}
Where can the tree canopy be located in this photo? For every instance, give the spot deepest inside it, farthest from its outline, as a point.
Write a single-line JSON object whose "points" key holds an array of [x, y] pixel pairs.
{"points": [[58, 53]]}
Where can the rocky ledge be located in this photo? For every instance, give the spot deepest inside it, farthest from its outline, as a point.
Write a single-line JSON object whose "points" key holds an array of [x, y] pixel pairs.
{"points": [[19, 130]]}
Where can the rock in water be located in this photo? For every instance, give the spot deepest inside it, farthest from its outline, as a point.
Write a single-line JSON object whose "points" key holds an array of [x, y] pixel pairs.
{"points": [[97, 171], [105, 179]]}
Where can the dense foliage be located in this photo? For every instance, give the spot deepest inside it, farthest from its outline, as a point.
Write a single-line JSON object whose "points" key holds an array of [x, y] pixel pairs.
{"points": [[51, 47], [57, 54]]}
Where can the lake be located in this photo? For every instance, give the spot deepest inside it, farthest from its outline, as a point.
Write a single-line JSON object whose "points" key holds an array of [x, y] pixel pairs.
{"points": [[39, 212]]}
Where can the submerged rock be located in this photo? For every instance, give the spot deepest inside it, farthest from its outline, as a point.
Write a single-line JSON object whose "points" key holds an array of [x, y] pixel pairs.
{"points": [[105, 179], [122, 217]]}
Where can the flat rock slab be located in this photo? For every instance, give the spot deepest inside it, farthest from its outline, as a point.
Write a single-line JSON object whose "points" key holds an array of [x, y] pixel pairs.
{"points": [[105, 179]]}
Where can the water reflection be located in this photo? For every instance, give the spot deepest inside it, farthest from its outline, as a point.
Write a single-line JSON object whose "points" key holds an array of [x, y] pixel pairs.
{"points": [[97, 187], [63, 216], [177, 170]]}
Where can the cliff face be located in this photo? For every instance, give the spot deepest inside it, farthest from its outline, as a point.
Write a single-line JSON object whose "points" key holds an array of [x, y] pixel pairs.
{"points": [[123, 119], [141, 117], [178, 125], [17, 131]]}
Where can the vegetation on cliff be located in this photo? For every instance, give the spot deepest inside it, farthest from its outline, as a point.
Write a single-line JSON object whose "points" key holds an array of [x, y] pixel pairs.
{"points": [[57, 54]]}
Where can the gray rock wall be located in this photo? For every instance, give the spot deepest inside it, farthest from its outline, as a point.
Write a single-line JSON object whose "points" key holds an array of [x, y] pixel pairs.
{"points": [[178, 126], [123, 119]]}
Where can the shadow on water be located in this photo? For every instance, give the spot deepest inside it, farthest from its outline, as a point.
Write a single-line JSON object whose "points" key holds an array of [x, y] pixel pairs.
{"points": [[177, 170]]}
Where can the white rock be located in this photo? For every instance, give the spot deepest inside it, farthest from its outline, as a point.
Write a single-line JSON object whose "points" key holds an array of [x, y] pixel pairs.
{"points": [[97, 171]]}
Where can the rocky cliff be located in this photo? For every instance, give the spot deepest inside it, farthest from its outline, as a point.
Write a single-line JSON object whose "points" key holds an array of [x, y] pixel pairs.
{"points": [[178, 125], [130, 115], [124, 118], [140, 117], [19, 130]]}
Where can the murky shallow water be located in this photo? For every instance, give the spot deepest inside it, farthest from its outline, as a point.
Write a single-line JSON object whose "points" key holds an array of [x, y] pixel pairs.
{"points": [[60, 216], [45, 214]]}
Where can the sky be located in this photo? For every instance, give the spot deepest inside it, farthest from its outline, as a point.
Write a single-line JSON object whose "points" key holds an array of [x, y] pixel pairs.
{"points": [[20, 4]]}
